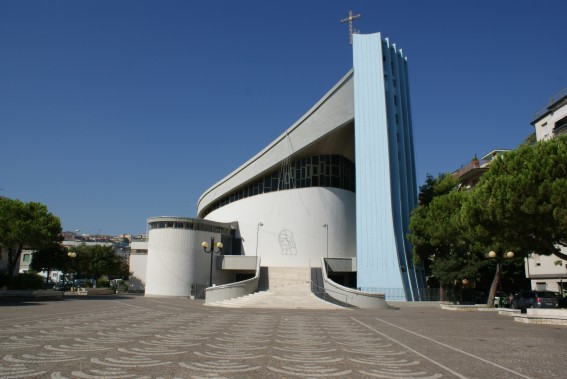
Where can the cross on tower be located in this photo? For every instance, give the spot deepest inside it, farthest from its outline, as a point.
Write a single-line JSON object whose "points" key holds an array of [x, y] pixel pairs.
{"points": [[349, 19]]}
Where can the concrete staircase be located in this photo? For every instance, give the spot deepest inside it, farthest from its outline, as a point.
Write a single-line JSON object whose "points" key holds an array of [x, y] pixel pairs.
{"points": [[281, 288]]}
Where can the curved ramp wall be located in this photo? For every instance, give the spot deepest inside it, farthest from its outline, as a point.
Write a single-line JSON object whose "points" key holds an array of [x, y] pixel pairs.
{"points": [[292, 232]]}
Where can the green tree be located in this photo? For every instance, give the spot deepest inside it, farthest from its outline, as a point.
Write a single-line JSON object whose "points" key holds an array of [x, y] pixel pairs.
{"points": [[440, 238], [29, 224], [520, 204], [96, 261], [52, 257]]}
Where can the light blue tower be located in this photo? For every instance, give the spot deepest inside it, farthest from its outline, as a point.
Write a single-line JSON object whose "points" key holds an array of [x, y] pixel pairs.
{"points": [[386, 190]]}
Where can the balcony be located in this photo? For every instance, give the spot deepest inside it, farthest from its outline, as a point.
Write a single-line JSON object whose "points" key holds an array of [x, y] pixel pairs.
{"points": [[557, 131], [562, 94]]}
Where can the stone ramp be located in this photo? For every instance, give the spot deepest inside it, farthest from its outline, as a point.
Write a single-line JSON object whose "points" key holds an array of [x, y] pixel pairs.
{"points": [[281, 288]]}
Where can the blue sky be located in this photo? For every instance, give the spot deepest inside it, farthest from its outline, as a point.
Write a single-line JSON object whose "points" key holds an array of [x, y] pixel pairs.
{"points": [[114, 111]]}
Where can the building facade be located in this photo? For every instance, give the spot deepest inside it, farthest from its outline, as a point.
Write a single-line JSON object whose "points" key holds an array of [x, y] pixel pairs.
{"points": [[549, 272], [338, 183]]}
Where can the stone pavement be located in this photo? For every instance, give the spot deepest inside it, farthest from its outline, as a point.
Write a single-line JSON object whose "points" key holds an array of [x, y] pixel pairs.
{"points": [[128, 336]]}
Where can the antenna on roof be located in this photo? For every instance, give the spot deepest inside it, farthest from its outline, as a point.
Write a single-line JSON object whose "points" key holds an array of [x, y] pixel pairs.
{"points": [[349, 19]]}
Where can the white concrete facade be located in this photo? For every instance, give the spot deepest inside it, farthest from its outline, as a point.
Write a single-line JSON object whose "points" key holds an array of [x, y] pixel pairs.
{"points": [[546, 272], [299, 200], [285, 228], [552, 119], [176, 261], [138, 265], [369, 223]]}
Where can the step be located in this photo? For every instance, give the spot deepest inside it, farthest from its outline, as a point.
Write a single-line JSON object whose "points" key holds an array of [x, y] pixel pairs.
{"points": [[281, 288]]}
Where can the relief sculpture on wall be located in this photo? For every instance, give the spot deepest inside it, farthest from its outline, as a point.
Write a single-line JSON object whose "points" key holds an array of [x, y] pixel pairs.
{"points": [[287, 243]]}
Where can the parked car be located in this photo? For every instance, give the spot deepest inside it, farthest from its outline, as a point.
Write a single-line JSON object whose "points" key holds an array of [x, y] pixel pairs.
{"points": [[60, 286], [535, 299]]}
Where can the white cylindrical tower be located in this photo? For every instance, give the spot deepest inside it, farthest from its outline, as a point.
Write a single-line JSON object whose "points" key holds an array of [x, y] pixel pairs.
{"points": [[171, 262]]}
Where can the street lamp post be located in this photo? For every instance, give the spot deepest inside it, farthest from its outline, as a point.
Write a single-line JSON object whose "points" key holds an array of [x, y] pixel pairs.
{"points": [[498, 274], [71, 255], [257, 233], [326, 226], [219, 246]]}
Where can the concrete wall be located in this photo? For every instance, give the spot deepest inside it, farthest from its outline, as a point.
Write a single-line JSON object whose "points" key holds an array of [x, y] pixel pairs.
{"points": [[176, 260], [138, 264], [292, 234], [385, 167], [544, 127], [544, 273], [335, 109]]}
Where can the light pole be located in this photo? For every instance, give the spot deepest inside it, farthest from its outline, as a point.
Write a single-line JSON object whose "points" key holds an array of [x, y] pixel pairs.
{"points": [[257, 233], [497, 275], [326, 226], [212, 252], [72, 255]]}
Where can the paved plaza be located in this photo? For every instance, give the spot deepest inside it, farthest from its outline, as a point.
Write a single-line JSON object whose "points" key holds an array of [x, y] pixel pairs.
{"points": [[129, 336]]}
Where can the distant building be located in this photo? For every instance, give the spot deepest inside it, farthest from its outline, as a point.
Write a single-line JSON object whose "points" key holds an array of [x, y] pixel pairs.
{"points": [[55, 275], [551, 120], [138, 263], [549, 272], [470, 173]]}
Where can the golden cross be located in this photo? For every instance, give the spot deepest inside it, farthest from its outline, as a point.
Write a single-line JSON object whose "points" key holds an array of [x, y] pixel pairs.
{"points": [[349, 20]]}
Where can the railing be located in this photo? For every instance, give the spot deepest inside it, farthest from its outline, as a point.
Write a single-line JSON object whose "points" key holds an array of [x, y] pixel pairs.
{"points": [[360, 299], [322, 292], [233, 290], [399, 294], [558, 96], [561, 130], [479, 163]]}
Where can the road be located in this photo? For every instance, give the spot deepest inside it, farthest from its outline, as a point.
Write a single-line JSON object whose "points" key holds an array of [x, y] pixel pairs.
{"points": [[132, 336]]}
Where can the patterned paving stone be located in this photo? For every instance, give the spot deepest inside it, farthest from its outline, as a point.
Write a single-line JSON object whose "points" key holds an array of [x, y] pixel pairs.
{"points": [[144, 338]]}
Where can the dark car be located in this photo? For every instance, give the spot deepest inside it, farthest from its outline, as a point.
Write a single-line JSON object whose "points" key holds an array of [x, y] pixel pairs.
{"points": [[535, 299], [60, 286]]}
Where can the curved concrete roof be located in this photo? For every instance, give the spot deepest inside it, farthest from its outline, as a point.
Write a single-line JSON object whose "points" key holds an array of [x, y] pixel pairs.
{"points": [[317, 132]]}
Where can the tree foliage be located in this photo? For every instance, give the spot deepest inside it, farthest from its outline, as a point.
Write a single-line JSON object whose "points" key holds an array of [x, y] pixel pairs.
{"points": [[521, 202], [29, 224], [441, 240], [519, 205], [96, 261], [52, 257]]}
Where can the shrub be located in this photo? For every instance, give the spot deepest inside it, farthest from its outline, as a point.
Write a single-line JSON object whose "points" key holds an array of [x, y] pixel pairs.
{"points": [[102, 283], [4, 279], [26, 281]]}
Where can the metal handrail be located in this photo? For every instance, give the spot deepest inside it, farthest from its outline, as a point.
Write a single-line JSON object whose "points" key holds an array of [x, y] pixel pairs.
{"points": [[558, 96], [324, 292]]}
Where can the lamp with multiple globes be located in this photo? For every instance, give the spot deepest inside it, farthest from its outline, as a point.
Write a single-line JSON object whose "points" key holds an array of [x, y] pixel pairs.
{"points": [[212, 251]]}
